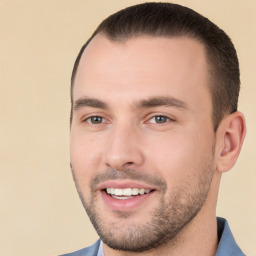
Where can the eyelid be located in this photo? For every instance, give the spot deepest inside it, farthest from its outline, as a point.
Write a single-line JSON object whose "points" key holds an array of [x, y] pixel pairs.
{"points": [[90, 118], [85, 118], [154, 115], [159, 123]]}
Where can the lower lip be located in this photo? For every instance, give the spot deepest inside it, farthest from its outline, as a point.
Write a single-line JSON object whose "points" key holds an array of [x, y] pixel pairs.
{"points": [[124, 205]]}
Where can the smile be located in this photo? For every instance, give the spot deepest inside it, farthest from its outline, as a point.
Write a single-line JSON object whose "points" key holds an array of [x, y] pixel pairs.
{"points": [[126, 193]]}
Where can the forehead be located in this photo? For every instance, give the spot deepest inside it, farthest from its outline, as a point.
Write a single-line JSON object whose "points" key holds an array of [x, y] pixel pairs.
{"points": [[142, 67]]}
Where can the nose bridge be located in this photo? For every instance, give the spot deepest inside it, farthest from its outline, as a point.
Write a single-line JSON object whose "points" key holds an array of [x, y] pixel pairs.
{"points": [[123, 147]]}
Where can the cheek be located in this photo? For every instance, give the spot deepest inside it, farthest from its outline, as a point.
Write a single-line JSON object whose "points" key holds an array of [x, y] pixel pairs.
{"points": [[85, 157], [179, 155]]}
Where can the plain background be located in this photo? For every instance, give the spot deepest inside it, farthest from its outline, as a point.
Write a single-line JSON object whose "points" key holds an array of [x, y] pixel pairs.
{"points": [[40, 212]]}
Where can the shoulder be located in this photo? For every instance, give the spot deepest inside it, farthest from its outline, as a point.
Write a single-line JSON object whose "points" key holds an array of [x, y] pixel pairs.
{"points": [[88, 251]]}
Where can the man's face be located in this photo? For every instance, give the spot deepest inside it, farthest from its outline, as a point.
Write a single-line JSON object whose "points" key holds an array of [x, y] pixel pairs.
{"points": [[142, 139]]}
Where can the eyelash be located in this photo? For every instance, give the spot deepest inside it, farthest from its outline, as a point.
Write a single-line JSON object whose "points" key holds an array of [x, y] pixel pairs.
{"points": [[166, 119], [103, 120], [91, 117]]}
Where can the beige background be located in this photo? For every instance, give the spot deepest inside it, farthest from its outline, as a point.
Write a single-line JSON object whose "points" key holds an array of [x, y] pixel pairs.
{"points": [[40, 212]]}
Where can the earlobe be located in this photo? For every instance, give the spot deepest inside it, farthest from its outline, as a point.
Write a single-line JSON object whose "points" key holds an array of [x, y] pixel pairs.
{"points": [[230, 138]]}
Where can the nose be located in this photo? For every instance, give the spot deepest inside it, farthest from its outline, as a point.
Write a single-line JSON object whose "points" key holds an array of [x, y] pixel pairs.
{"points": [[123, 149]]}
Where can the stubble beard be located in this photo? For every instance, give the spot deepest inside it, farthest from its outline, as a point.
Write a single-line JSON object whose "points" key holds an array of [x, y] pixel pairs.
{"points": [[172, 214]]}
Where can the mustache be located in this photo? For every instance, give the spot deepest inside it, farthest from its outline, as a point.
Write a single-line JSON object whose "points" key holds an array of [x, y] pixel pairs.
{"points": [[128, 174]]}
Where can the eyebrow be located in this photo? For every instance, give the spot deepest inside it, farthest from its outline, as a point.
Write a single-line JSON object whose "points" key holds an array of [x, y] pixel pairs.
{"points": [[89, 102], [145, 103], [161, 101]]}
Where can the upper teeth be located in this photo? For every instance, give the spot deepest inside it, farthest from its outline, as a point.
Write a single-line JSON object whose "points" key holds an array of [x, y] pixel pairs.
{"points": [[127, 191]]}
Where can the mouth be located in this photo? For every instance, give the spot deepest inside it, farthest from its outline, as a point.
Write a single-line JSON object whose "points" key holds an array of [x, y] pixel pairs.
{"points": [[126, 193], [126, 196]]}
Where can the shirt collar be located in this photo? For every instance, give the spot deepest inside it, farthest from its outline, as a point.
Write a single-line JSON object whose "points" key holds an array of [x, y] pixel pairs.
{"points": [[227, 244], [100, 251]]}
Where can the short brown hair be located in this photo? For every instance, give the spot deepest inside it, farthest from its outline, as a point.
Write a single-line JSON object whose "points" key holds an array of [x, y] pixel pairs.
{"points": [[172, 20]]}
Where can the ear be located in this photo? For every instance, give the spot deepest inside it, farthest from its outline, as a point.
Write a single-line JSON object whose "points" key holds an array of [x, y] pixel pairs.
{"points": [[230, 137]]}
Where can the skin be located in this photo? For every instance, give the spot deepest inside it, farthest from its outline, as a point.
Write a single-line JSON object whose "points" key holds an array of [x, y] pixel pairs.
{"points": [[183, 151]]}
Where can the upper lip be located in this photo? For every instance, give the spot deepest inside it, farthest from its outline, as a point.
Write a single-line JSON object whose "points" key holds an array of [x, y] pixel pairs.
{"points": [[123, 184]]}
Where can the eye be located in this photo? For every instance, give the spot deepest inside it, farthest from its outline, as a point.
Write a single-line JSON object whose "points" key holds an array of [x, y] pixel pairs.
{"points": [[96, 120], [159, 119]]}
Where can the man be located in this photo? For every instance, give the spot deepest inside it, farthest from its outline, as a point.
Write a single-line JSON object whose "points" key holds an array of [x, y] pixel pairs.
{"points": [[154, 124]]}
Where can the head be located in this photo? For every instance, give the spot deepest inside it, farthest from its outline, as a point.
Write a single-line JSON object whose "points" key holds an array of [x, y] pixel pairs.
{"points": [[153, 124]]}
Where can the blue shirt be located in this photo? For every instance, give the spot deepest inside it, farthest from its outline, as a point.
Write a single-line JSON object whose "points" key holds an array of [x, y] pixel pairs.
{"points": [[227, 244]]}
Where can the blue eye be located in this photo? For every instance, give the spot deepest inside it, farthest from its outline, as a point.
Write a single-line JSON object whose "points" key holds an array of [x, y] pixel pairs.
{"points": [[96, 120], [159, 119]]}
